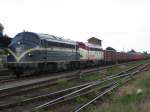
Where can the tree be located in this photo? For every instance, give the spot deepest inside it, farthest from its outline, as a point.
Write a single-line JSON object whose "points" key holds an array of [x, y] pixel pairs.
{"points": [[132, 51], [1, 27], [110, 49]]}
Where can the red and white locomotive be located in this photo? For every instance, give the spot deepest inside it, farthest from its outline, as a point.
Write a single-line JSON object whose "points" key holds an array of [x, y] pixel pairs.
{"points": [[90, 53]]}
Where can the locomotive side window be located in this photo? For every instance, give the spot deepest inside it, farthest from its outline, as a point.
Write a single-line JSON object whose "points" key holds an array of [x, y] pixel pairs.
{"points": [[43, 43], [61, 45], [52, 44]]}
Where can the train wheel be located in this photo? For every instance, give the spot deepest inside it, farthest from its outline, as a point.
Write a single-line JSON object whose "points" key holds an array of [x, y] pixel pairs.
{"points": [[17, 74]]}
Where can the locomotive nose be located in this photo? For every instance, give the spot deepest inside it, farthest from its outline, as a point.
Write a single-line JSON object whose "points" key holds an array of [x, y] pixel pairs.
{"points": [[16, 50]]}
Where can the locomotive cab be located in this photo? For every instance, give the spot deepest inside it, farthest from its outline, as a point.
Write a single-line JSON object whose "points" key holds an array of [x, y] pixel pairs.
{"points": [[20, 52], [20, 47]]}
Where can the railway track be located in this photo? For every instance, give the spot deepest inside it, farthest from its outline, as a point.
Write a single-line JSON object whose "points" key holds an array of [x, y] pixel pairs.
{"points": [[5, 75], [90, 88], [110, 88], [29, 84], [66, 94], [4, 72]]}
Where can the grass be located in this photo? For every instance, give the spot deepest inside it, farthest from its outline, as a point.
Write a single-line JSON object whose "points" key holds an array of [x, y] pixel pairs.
{"points": [[110, 71], [20, 98], [125, 103], [62, 82], [80, 99], [42, 110], [130, 98], [113, 108], [104, 73], [145, 82], [91, 77], [114, 70]]}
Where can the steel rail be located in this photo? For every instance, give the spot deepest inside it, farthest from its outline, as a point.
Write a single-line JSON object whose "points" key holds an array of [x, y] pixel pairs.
{"points": [[31, 87], [109, 89], [72, 97], [56, 93], [49, 95], [77, 73], [67, 95]]}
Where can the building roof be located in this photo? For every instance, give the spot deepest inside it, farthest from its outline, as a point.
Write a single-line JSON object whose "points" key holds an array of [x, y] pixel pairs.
{"points": [[94, 38], [95, 41]]}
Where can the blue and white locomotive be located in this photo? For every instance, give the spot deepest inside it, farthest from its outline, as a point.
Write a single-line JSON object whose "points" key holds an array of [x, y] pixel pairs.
{"points": [[32, 52]]}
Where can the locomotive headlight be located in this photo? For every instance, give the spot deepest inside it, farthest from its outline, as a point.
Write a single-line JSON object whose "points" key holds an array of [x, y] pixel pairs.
{"points": [[8, 54], [18, 42], [29, 54]]}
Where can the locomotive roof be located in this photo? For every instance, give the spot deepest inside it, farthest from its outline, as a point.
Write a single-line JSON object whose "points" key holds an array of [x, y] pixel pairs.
{"points": [[53, 38], [48, 37]]}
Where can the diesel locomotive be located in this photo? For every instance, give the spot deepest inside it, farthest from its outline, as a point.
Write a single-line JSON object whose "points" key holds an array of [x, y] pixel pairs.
{"points": [[31, 52]]}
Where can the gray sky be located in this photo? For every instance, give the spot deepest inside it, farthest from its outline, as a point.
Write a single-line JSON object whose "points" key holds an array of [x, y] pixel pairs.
{"points": [[122, 24]]}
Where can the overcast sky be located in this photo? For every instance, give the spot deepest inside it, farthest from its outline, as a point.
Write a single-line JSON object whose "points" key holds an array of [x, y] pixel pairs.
{"points": [[122, 24]]}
